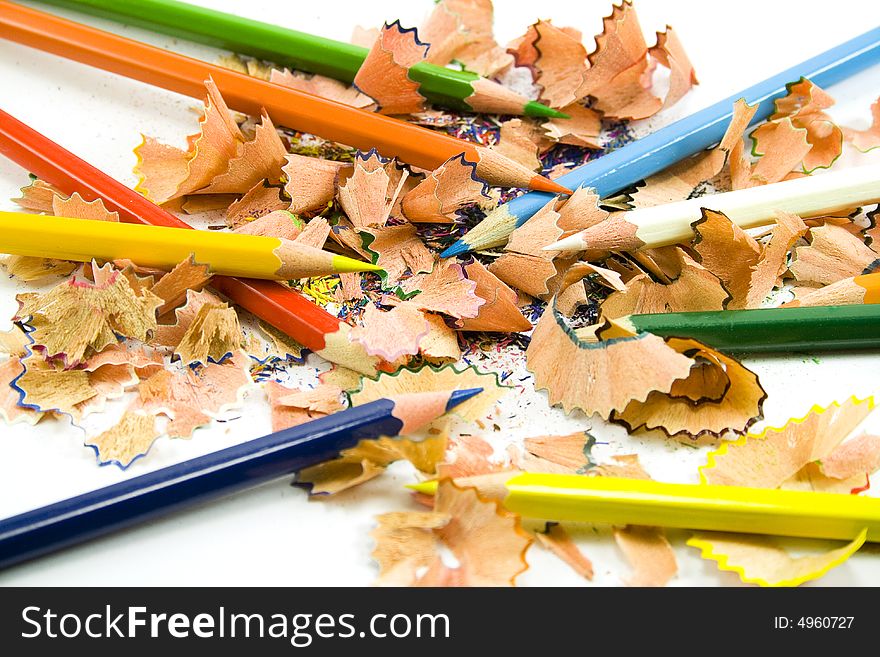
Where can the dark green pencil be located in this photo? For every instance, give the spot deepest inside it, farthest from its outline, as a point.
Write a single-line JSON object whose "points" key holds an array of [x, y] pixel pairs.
{"points": [[814, 328], [305, 52]]}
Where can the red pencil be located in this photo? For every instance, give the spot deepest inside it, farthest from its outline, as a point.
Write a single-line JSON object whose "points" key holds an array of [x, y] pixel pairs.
{"points": [[286, 310]]}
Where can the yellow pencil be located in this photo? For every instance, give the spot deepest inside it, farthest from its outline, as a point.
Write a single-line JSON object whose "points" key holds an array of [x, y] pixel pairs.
{"points": [[620, 501], [230, 254]]}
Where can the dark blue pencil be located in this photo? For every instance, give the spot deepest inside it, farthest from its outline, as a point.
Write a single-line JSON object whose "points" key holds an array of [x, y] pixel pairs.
{"points": [[642, 158], [198, 480]]}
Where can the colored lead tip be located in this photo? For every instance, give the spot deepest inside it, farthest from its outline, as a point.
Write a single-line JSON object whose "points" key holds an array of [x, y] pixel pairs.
{"points": [[542, 184], [427, 487], [534, 108], [344, 264], [457, 397], [459, 248], [571, 243]]}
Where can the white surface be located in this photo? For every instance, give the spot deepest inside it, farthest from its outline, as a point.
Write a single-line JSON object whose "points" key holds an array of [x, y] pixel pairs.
{"points": [[273, 535]]}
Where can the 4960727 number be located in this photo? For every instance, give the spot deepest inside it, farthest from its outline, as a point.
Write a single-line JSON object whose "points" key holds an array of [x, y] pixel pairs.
{"points": [[813, 622]]}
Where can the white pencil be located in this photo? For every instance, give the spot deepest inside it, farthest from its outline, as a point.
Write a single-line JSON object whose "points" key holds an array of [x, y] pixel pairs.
{"points": [[670, 223]]}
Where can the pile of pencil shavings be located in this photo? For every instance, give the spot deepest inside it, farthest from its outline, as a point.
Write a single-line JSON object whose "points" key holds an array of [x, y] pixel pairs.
{"points": [[177, 356]]}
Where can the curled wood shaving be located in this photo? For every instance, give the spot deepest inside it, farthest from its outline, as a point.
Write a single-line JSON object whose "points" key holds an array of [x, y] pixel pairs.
{"points": [[311, 181], [695, 288], [500, 311], [864, 140], [319, 85], [369, 459], [678, 416], [392, 334], [804, 104], [130, 438], [213, 334], [599, 376], [487, 541], [448, 189], [384, 74], [558, 541], [833, 254], [648, 553], [758, 560], [78, 318]]}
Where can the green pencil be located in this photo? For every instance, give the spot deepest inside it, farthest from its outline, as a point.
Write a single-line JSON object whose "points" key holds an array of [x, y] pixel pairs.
{"points": [[298, 50], [813, 328]]}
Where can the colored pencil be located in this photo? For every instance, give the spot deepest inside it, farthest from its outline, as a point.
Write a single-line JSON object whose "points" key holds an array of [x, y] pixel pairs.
{"points": [[214, 475], [301, 111], [670, 223], [443, 86], [653, 153], [286, 310], [810, 328], [230, 254], [620, 501]]}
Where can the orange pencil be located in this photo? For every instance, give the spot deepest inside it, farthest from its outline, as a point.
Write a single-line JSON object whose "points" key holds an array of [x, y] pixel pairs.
{"points": [[301, 111]]}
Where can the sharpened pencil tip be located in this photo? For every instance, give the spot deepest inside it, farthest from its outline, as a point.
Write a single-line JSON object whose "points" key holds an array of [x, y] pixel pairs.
{"points": [[536, 109], [428, 487], [459, 248], [542, 184], [457, 397], [344, 264]]}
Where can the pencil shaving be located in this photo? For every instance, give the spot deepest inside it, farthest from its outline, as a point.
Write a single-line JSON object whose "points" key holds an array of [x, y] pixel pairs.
{"points": [[557, 540], [392, 334], [864, 140], [771, 458], [832, 255], [384, 74], [370, 192], [445, 290], [487, 541], [311, 181], [582, 128], [649, 555], [213, 335], [397, 249], [320, 85], [130, 438], [598, 376], [804, 105], [679, 417], [461, 30], [291, 408], [448, 189], [500, 311], [189, 397], [693, 288], [369, 459], [79, 318], [758, 560]]}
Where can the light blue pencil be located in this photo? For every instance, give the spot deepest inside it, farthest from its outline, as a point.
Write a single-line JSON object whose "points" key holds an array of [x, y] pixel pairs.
{"points": [[642, 158]]}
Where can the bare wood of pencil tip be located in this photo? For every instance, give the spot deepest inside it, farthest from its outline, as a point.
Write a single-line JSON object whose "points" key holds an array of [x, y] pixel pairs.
{"points": [[305, 112], [304, 261]]}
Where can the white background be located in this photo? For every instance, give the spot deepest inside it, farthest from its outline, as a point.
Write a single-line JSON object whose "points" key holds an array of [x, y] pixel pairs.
{"points": [[273, 535]]}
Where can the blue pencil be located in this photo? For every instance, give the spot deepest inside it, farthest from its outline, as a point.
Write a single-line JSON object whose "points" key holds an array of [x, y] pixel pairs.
{"points": [[642, 158], [249, 464]]}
